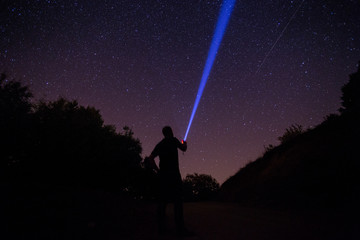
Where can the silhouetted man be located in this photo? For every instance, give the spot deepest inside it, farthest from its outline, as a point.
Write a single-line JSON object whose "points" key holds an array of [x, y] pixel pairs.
{"points": [[170, 178]]}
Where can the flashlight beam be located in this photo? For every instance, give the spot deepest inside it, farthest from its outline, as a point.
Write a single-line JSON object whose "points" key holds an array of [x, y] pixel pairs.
{"points": [[222, 22]]}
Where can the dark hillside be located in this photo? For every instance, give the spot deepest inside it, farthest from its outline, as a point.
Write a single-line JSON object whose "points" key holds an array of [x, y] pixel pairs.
{"points": [[320, 167]]}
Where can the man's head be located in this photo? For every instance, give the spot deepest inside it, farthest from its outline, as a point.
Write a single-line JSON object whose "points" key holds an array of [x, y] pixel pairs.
{"points": [[167, 131]]}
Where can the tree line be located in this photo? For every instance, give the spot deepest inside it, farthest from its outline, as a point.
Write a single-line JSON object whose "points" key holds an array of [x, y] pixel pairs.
{"points": [[61, 143]]}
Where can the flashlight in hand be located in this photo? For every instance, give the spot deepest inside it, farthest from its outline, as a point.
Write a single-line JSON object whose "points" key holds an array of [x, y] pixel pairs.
{"points": [[184, 146]]}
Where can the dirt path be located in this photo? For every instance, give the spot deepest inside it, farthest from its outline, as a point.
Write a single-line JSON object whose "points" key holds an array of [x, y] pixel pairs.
{"points": [[230, 221], [100, 215]]}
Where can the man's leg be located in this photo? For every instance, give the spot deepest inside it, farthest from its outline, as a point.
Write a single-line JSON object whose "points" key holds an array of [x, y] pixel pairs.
{"points": [[161, 214], [179, 215]]}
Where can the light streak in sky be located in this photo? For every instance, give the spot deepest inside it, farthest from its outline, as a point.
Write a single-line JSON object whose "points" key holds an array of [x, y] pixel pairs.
{"points": [[223, 19], [281, 34]]}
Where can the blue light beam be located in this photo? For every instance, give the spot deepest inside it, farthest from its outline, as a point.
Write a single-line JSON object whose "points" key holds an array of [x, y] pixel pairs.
{"points": [[223, 20]]}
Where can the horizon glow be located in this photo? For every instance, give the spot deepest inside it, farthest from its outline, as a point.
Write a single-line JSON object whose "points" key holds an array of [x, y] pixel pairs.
{"points": [[225, 13]]}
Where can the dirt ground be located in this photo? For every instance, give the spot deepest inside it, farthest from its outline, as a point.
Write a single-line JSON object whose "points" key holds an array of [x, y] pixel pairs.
{"points": [[100, 215], [214, 220]]}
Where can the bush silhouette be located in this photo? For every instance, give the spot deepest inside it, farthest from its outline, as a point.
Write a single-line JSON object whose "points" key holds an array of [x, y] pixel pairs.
{"points": [[291, 132], [200, 187]]}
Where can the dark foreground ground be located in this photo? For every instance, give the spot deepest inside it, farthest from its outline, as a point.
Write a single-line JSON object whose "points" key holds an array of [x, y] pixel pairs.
{"points": [[89, 214]]}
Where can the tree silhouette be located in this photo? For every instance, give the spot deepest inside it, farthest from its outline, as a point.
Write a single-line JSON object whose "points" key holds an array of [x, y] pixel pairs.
{"points": [[350, 94], [73, 144], [200, 187], [14, 98], [61, 142], [15, 113]]}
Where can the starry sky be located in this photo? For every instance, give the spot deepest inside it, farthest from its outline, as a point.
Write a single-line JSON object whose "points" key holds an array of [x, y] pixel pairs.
{"points": [[140, 63]]}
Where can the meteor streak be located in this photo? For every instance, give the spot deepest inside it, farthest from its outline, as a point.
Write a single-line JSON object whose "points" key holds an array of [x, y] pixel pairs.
{"points": [[281, 34], [223, 19]]}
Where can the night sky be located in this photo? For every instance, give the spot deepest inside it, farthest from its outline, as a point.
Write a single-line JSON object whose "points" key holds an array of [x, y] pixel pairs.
{"points": [[140, 63]]}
